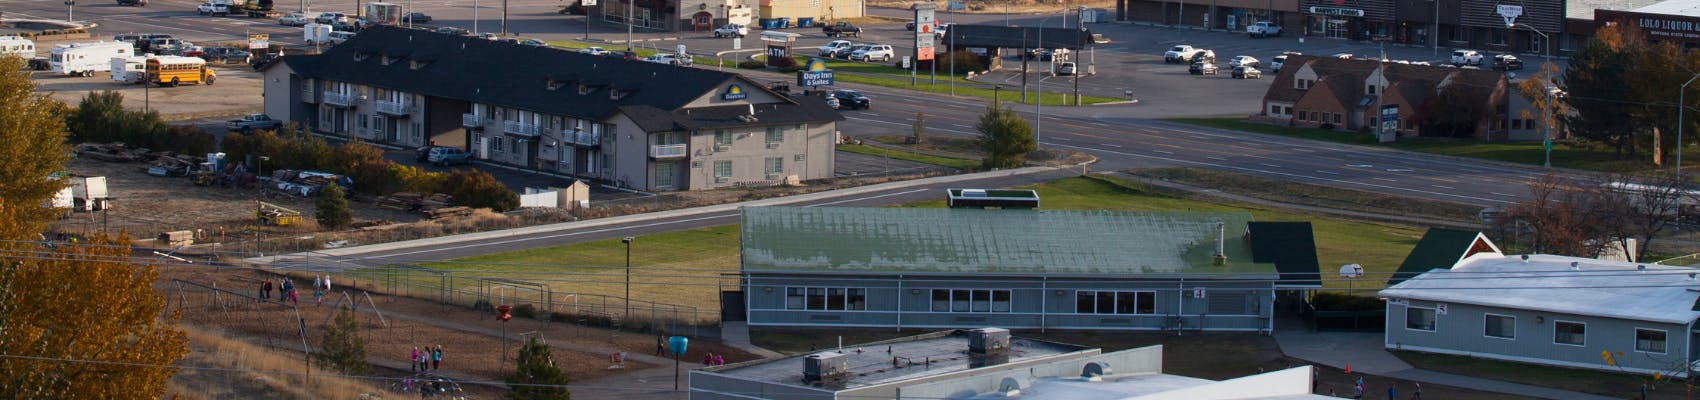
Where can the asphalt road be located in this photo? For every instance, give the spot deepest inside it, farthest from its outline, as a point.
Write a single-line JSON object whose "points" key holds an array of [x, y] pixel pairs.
{"points": [[1123, 136]]}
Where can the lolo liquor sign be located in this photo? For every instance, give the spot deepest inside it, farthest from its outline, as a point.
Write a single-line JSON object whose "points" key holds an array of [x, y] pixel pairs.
{"points": [[814, 73]]}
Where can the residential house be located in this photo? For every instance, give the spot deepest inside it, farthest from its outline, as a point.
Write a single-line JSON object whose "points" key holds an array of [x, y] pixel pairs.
{"points": [[1350, 94], [954, 268], [1546, 309], [634, 124]]}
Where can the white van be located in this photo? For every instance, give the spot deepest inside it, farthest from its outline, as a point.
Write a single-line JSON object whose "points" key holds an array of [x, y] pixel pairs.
{"points": [[17, 46], [87, 58]]}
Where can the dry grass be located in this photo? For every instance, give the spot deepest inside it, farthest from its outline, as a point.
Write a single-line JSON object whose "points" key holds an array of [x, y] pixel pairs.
{"points": [[254, 372]]}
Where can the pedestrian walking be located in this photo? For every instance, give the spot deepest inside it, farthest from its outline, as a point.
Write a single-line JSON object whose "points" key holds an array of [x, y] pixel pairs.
{"points": [[1358, 389], [327, 283], [1417, 391], [413, 360], [437, 358], [266, 289], [660, 344], [1392, 391]]}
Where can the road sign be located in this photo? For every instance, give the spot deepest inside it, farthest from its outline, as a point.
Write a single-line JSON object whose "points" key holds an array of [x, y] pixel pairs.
{"points": [[1510, 13], [737, 43], [1197, 293], [258, 41], [588, 3], [814, 73], [924, 30]]}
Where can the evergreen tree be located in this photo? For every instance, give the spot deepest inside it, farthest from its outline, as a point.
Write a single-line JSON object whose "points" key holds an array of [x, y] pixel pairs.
{"points": [[1005, 137], [535, 374], [342, 349], [1595, 88], [332, 211]]}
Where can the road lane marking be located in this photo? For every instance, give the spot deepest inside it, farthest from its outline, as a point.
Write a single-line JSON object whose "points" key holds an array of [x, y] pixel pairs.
{"points": [[1098, 124], [1327, 172], [1400, 170], [1269, 165], [1444, 187], [1502, 194], [1063, 139], [867, 198], [1164, 152], [1360, 165], [961, 126], [1386, 179], [1110, 145], [1216, 158]]}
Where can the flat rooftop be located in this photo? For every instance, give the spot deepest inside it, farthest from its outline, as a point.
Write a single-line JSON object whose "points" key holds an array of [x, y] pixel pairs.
{"points": [[900, 359], [1611, 289]]}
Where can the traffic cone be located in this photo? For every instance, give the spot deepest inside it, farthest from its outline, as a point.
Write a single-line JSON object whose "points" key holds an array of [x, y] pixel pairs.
{"points": [[1348, 368]]}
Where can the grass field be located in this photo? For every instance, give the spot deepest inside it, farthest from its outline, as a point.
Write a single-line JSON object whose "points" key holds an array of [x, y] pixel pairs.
{"points": [[1603, 383], [684, 267], [957, 163], [1564, 155]]}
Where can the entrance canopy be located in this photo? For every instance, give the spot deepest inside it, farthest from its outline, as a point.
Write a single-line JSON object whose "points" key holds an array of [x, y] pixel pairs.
{"points": [[994, 36]]}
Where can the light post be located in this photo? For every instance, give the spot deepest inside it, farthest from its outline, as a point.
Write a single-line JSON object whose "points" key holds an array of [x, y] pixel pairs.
{"points": [[69, 6], [629, 44], [1681, 108], [1546, 123], [475, 17], [997, 101], [1436, 33], [628, 241], [504, 17]]}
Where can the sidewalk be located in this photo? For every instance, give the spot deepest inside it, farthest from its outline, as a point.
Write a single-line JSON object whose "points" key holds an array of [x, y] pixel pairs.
{"points": [[1363, 352]]}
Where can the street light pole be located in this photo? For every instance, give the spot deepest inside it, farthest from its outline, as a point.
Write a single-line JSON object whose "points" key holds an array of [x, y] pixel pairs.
{"points": [[628, 241], [475, 17], [629, 32], [1546, 58], [69, 6], [1681, 108]]}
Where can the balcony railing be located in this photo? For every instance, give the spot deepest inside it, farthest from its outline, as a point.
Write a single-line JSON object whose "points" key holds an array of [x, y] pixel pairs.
{"points": [[519, 128], [667, 151], [339, 99], [394, 108], [470, 120], [583, 138], [307, 94]]}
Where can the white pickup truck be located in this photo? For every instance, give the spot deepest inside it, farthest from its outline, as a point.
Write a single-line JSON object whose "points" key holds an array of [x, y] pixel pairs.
{"points": [[1180, 53], [1263, 29]]}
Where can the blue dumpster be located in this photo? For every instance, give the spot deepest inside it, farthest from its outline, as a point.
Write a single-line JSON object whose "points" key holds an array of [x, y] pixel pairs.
{"points": [[785, 22], [769, 23], [805, 22]]}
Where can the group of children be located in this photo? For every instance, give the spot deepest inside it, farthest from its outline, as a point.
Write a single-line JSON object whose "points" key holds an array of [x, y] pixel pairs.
{"points": [[711, 359], [287, 292], [428, 360]]}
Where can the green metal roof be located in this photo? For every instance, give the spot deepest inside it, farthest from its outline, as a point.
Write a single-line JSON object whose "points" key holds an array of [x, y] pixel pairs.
{"points": [[1439, 248], [943, 240]]}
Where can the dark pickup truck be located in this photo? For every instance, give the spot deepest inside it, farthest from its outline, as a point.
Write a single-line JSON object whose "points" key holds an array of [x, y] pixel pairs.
{"points": [[253, 122], [841, 29]]}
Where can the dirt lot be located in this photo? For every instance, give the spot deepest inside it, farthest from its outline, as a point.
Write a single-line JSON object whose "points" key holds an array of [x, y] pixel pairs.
{"points": [[147, 205], [237, 91]]}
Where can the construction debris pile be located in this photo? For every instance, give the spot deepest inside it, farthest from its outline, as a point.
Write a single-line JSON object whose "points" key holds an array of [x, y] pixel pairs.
{"points": [[434, 206], [307, 183]]}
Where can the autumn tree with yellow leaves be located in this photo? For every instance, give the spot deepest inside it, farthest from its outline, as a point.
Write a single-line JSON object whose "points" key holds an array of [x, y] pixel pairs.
{"points": [[76, 320]]}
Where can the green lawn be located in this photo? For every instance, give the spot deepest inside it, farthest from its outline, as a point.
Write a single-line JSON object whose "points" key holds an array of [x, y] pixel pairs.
{"points": [[1564, 155], [957, 163], [1597, 382], [685, 267]]}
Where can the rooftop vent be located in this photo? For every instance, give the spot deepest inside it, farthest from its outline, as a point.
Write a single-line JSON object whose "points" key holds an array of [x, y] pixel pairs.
{"points": [[988, 341], [829, 368], [1575, 266], [1525, 258]]}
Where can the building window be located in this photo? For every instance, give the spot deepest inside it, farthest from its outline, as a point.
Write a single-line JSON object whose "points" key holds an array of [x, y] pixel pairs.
{"points": [[1496, 36], [722, 138], [1108, 302], [775, 134], [518, 144], [1456, 34], [794, 298], [1371, 89], [1303, 114], [1517, 124], [1274, 110], [496, 144], [835, 298], [775, 165], [1336, 118], [857, 299], [723, 169], [1500, 326], [1410, 125], [1570, 333], [664, 174], [1529, 123], [965, 300], [1649, 341], [817, 298], [1420, 319]]}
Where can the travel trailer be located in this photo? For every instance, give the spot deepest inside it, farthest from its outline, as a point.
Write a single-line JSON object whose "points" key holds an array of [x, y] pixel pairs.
{"points": [[85, 59], [17, 46]]}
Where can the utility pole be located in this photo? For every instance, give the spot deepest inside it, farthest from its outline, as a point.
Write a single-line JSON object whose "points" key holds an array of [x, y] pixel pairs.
{"points": [[504, 17]]}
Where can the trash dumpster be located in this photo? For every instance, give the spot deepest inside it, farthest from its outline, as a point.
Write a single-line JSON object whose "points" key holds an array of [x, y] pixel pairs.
{"points": [[805, 22], [785, 22], [769, 23]]}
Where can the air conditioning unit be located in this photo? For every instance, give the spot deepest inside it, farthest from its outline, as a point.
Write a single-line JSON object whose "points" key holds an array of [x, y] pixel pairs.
{"points": [[829, 368], [772, 176], [772, 145], [988, 341], [722, 147], [722, 179]]}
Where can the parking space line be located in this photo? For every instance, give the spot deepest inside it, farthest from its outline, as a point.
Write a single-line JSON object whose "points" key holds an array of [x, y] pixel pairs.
{"points": [[1327, 172], [1110, 145], [1164, 152], [1443, 186], [1216, 158], [1386, 179], [1502, 194], [1269, 165]]}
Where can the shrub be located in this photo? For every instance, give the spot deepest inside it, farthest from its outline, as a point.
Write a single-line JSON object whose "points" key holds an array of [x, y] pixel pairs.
{"points": [[524, 311], [474, 188], [785, 62], [482, 305], [1327, 126], [101, 117], [332, 208], [752, 64], [964, 63]]}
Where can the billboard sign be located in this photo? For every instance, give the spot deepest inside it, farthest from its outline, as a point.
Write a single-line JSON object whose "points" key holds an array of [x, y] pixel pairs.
{"points": [[814, 73]]}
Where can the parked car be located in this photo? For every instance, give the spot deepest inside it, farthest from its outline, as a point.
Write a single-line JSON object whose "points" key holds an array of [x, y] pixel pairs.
{"points": [[833, 47], [337, 37], [1263, 29], [1204, 56], [851, 99], [329, 17], [880, 52], [213, 9], [294, 19], [450, 30], [1244, 72], [731, 30], [416, 17], [841, 29], [1466, 57], [593, 50], [1507, 62], [847, 51], [1179, 53], [534, 42], [165, 45], [1202, 68], [448, 156], [1066, 68], [252, 122], [669, 59], [1280, 60], [1244, 61], [226, 54], [423, 154], [1342, 56], [137, 3]]}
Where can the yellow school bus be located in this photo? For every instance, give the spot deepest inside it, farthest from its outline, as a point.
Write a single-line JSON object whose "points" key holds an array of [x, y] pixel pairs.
{"points": [[174, 70]]}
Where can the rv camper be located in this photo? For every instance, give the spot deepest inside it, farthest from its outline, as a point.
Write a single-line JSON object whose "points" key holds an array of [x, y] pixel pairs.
{"points": [[85, 59]]}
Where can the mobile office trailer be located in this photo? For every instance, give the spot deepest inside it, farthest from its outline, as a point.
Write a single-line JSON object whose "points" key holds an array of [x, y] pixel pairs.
{"points": [[87, 58], [129, 69], [379, 13], [17, 46]]}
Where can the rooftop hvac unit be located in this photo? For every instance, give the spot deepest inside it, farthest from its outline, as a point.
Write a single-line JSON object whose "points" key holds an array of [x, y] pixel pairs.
{"points": [[988, 341], [827, 368]]}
